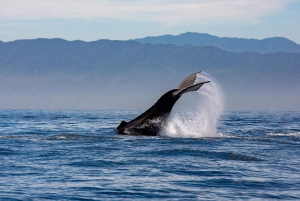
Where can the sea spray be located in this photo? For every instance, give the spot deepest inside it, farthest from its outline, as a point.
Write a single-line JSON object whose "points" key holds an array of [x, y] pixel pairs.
{"points": [[202, 119]]}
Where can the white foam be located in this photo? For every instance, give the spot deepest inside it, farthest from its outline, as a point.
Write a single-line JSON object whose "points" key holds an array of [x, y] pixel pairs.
{"points": [[295, 134], [201, 120]]}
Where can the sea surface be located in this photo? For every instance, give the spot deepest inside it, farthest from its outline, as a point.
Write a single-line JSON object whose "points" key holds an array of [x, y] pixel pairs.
{"points": [[77, 155]]}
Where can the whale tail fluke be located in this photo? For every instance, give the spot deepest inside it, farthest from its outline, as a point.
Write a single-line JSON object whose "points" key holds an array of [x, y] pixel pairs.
{"points": [[194, 87], [188, 81]]}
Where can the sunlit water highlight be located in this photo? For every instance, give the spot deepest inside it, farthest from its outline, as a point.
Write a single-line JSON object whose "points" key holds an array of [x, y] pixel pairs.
{"points": [[202, 118]]}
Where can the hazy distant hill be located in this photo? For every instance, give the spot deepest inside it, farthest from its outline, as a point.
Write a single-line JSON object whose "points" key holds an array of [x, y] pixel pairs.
{"points": [[275, 44], [59, 74]]}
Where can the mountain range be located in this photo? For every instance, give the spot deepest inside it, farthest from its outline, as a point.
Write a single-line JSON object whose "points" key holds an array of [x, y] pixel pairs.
{"points": [[105, 74], [275, 44]]}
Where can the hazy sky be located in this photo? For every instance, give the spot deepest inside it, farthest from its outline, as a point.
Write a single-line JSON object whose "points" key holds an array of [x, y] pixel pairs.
{"points": [[90, 20]]}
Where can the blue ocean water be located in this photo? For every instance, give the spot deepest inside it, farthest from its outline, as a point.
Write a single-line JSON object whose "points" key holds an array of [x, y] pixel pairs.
{"points": [[77, 155]]}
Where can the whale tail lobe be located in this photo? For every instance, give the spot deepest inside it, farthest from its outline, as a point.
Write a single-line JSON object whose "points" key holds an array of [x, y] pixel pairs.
{"points": [[188, 84], [188, 81]]}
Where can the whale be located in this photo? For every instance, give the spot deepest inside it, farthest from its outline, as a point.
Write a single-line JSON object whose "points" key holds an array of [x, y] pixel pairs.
{"points": [[151, 121]]}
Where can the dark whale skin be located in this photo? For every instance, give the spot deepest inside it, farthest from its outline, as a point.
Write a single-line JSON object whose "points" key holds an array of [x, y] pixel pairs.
{"points": [[150, 122]]}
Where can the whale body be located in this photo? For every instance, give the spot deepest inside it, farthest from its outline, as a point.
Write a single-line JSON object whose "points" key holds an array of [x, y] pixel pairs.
{"points": [[150, 122]]}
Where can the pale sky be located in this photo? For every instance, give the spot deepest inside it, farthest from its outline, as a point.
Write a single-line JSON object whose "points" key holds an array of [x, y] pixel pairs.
{"points": [[91, 20]]}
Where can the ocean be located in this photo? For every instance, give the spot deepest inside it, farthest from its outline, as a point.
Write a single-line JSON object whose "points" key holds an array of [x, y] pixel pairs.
{"points": [[77, 155]]}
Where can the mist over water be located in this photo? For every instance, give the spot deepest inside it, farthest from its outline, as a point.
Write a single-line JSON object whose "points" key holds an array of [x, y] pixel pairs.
{"points": [[201, 120]]}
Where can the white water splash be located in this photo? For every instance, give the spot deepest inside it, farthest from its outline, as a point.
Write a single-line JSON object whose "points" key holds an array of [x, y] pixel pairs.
{"points": [[202, 119]]}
